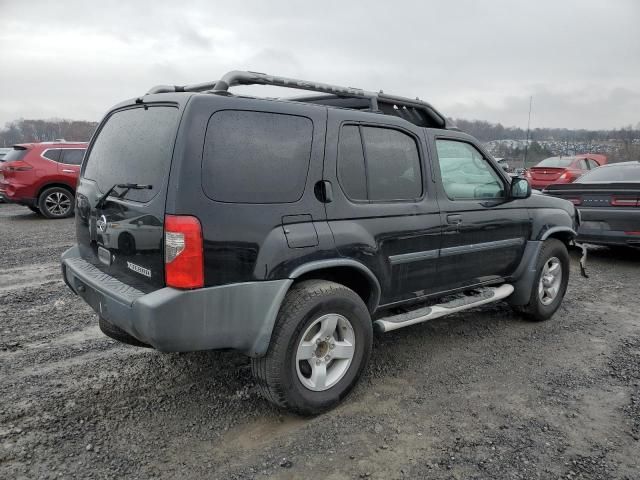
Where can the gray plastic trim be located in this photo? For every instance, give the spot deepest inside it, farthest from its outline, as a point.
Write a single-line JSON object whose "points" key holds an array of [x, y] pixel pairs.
{"points": [[343, 262], [553, 230], [413, 257], [479, 247]]}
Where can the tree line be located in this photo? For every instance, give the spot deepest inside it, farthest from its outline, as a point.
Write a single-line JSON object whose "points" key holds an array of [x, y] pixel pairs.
{"points": [[486, 131], [26, 130]]}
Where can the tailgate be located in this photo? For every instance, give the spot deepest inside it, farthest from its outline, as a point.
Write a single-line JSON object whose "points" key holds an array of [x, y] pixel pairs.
{"points": [[121, 233]]}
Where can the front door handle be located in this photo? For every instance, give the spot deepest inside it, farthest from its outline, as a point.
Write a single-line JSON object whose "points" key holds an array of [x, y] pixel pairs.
{"points": [[454, 219]]}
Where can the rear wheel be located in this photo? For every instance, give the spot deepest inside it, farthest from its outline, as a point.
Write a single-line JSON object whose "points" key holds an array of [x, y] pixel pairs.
{"points": [[56, 202], [319, 347], [550, 285]]}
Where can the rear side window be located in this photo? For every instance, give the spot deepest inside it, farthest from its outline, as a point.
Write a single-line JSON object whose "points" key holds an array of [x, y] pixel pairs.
{"points": [[52, 154], [351, 170], [134, 146], [378, 164], [15, 154], [256, 157], [72, 156]]}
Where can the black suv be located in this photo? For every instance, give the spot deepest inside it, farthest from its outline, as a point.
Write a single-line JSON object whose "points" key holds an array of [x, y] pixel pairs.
{"points": [[287, 229]]}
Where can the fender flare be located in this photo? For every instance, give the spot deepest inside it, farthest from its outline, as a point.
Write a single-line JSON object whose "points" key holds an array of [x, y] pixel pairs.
{"points": [[343, 262], [553, 230]]}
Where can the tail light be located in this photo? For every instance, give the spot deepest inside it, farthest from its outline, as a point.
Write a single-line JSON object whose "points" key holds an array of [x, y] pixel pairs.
{"points": [[624, 202], [183, 252], [18, 166], [575, 200], [565, 176]]}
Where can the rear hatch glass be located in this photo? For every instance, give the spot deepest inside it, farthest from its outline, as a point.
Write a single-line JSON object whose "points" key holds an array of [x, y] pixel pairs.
{"points": [[17, 153], [121, 195]]}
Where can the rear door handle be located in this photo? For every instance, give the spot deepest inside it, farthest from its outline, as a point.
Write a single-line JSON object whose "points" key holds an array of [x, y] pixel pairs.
{"points": [[66, 170], [454, 219]]}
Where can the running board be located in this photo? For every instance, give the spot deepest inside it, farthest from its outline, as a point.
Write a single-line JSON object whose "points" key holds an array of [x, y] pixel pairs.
{"points": [[486, 295]]}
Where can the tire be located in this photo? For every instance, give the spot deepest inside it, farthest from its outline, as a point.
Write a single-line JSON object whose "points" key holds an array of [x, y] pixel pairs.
{"points": [[110, 330], [56, 202], [35, 210], [541, 306], [288, 382]]}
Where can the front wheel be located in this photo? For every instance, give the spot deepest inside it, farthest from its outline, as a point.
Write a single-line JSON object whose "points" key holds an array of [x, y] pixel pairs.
{"points": [[320, 346], [550, 285]]}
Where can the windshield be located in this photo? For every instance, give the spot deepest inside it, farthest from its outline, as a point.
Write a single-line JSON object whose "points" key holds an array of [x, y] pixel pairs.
{"points": [[613, 173], [559, 162], [134, 146]]}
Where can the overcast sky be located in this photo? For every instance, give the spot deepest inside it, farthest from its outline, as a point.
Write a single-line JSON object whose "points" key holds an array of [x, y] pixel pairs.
{"points": [[580, 60]]}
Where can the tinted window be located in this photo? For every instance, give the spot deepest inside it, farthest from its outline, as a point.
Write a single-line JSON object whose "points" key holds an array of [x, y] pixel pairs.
{"points": [[393, 164], [351, 169], [466, 174], [72, 156], [256, 157], [582, 164], [15, 154], [592, 164], [556, 162], [53, 154], [614, 173], [134, 146]]}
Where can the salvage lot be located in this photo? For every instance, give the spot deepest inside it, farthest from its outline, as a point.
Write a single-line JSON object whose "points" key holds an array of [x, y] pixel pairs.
{"points": [[482, 394]]}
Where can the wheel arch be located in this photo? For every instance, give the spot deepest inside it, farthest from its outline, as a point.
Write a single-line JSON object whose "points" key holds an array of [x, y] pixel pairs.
{"points": [[350, 273], [564, 234], [52, 185]]}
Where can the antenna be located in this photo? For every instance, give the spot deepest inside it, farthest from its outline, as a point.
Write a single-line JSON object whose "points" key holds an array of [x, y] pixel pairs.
{"points": [[526, 145]]}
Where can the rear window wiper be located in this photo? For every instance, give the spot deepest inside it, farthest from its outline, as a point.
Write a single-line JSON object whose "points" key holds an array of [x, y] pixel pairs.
{"points": [[126, 187]]}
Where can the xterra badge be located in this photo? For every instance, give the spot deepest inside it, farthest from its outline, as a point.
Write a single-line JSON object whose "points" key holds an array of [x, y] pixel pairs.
{"points": [[138, 269]]}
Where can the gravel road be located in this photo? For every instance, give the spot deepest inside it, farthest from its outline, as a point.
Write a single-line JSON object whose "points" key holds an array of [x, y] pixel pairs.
{"points": [[482, 394]]}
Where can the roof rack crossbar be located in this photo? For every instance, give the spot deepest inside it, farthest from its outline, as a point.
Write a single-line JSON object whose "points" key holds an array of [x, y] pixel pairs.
{"points": [[237, 77], [196, 87]]}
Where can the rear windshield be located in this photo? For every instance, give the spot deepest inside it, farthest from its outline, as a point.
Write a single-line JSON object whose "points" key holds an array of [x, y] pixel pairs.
{"points": [[618, 173], [559, 162], [15, 154], [134, 146]]}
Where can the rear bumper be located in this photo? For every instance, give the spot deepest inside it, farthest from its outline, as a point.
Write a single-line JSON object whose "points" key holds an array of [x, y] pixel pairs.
{"points": [[607, 237], [19, 194], [238, 316]]}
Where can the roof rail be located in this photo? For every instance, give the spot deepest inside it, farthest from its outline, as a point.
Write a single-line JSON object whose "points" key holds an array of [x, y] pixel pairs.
{"points": [[411, 110]]}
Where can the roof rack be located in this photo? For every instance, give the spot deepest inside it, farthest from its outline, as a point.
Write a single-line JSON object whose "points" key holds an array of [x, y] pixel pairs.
{"points": [[415, 111]]}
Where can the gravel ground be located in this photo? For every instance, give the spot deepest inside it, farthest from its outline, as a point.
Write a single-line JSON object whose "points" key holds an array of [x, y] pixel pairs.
{"points": [[482, 394]]}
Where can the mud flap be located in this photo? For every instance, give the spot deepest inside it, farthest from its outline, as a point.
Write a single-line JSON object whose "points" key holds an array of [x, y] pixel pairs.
{"points": [[575, 246]]}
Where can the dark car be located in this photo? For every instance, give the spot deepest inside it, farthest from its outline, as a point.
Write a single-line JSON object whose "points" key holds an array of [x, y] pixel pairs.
{"points": [[287, 229], [608, 199], [42, 176], [559, 170]]}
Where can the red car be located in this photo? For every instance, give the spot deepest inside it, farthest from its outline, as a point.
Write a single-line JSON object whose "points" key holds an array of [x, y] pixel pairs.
{"points": [[43, 176], [554, 170]]}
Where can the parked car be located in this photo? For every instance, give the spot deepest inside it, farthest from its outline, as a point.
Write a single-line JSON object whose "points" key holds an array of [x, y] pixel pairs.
{"points": [[43, 176], [562, 169], [290, 229], [608, 199]]}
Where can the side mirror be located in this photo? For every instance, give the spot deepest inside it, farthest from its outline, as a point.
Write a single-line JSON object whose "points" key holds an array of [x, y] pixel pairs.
{"points": [[520, 188]]}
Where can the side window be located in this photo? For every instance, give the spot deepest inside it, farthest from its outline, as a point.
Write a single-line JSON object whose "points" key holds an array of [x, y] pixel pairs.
{"points": [[351, 170], [592, 163], [52, 154], [387, 169], [466, 174], [582, 164], [256, 157], [72, 156], [393, 164]]}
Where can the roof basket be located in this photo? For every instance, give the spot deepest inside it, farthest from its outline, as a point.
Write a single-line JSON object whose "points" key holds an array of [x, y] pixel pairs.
{"points": [[415, 111]]}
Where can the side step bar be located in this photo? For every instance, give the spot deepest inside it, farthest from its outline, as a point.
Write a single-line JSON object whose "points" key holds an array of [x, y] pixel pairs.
{"points": [[486, 295]]}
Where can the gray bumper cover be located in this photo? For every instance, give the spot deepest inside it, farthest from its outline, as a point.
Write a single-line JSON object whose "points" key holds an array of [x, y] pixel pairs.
{"points": [[237, 316]]}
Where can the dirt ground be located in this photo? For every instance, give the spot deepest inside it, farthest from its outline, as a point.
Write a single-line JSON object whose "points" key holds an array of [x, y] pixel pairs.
{"points": [[482, 394]]}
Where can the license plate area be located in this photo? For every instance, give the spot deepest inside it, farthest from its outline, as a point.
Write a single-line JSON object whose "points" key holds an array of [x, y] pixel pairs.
{"points": [[104, 255]]}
